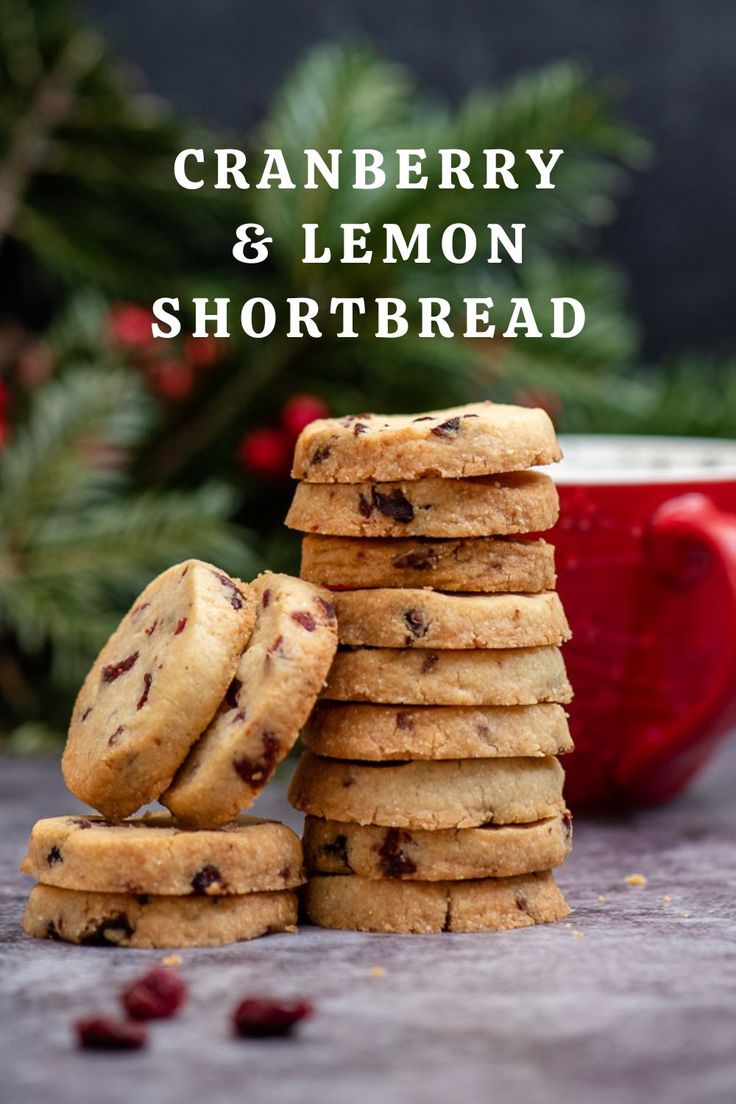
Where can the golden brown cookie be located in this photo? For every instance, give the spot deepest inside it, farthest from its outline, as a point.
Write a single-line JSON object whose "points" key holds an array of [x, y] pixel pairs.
{"points": [[477, 439], [477, 564], [450, 854], [375, 732], [124, 920], [385, 618], [413, 676], [522, 502], [280, 674], [491, 904], [422, 794], [155, 686], [153, 854]]}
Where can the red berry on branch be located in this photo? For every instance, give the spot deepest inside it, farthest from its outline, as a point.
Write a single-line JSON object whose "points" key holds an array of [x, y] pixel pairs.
{"points": [[266, 452], [171, 379], [300, 410], [129, 325], [155, 996], [202, 352], [4, 397]]}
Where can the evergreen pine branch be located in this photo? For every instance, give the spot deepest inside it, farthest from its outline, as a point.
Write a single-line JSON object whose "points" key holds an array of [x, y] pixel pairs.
{"points": [[68, 452], [75, 548]]}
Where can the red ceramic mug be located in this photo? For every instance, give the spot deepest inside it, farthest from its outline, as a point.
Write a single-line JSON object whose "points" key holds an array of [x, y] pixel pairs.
{"points": [[646, 561]]}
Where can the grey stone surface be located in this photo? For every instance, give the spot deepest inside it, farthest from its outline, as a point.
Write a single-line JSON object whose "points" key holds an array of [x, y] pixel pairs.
{"points": [[638, 1008]]}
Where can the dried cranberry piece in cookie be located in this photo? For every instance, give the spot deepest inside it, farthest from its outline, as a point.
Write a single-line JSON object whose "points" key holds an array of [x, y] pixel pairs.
{"points": [[106, 1033], [262, 1017], [395, 863], [205, 878], [395, 505], [156, 995], [113, 671], [450, 428], [305, 619]]}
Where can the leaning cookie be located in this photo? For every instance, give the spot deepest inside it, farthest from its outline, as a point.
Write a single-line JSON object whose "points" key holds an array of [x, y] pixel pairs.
{"points": [[522, 502], [379, 732], [477, 439], [454, 854], [413, 676], [475, 564], [153, 854], [450, 794], [280, 674], [387, 618], [155, 686], [492, 904], [125, 920]]}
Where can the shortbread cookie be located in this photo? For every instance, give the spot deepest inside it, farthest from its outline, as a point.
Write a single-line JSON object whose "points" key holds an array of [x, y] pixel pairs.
{"points": [[478, 439], [450, 854], [429, 619], [479, 564], [124, 920], [376, 732], [280, 674], [455, 793], [413, 676], [523, 502], [155, 686], [152, 854], [492, 904]]}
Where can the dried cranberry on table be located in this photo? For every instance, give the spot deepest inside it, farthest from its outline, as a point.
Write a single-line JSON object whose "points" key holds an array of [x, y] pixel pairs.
{"points": [[107, 1033], [263, 1017], [155, 996]]}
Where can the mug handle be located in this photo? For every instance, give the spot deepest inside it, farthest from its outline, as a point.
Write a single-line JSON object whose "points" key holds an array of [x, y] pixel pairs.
{"points": [[686, 538]]}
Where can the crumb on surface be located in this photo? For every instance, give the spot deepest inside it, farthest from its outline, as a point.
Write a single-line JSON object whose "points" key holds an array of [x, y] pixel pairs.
{"points": [[684, 914], [378, 971], [172, 960], [577, 934], [636, 880], [666, 898], [601, 899]]}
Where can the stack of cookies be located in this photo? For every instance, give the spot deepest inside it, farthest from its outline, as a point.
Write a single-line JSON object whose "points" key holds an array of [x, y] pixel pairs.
{"points": [[194, 700], [431, 785]]}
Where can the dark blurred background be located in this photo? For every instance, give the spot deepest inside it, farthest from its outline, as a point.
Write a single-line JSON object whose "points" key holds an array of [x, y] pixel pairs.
{"points": [[221, 60], [120, 453]]}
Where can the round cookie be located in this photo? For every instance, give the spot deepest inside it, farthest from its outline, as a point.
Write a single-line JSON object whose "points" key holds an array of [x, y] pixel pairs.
{"points": [[463, 793], [413, 676], [429, 619], [477, 439], [376, 732], [477, 564], [152, 854], [491, 904], [522, 502], [454, 854], [276, 684], [155, 686], [123, 920]]}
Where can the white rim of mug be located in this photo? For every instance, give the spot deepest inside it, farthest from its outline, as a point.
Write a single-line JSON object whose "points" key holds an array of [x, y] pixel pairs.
{"points": [[612, 459]]}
